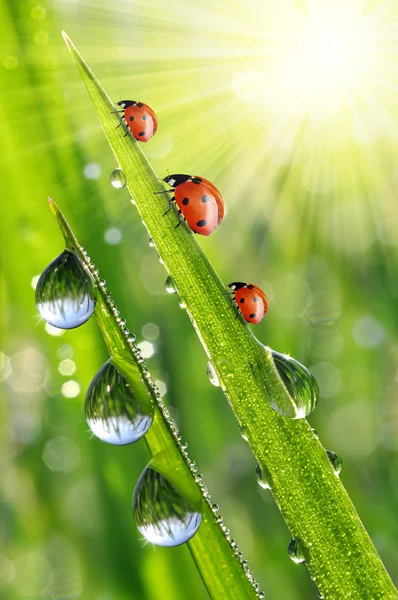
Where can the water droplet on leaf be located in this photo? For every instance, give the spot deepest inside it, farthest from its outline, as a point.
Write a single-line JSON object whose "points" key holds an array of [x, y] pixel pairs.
{"points": [[65, 292], [212, 375], [300, 384], [294, 552], [117, 178], [261, 478], [336, 461], [118, 409], [170, 286], [166, 514]]}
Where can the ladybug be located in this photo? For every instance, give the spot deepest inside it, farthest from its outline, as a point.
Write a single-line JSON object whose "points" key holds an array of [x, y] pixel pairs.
{"points": [[251, 301], [198, 200], [140, 118]]}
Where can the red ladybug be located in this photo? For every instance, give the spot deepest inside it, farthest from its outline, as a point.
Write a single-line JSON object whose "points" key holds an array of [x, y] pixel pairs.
{"points": [[251, 301], [198, 200], [140, 118]]}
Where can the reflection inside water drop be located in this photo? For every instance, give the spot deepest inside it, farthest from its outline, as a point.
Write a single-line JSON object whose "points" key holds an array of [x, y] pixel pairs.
{"points": [[164, 515], [116, 412], [118, 179], [212, 375], [65, 292], [300, 384], [170, 286]]}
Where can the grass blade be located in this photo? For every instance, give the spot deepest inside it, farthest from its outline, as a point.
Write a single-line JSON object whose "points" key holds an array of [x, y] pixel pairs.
{"points": [[216, 559], [338, 551]]}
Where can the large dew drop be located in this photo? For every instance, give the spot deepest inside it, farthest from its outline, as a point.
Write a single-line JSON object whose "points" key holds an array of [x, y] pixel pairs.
{"points": [[117, 411], [65, 292], [118, 179], [164, 514], [262, 479], [300, 384]]}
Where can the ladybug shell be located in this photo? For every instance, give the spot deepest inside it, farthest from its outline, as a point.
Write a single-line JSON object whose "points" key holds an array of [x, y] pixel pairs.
{"points": [[142, 121], [201, 204], [252, 302]]}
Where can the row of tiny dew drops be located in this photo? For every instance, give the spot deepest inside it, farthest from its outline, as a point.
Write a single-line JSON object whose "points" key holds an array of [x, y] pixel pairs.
{"points": [[117, 411]]}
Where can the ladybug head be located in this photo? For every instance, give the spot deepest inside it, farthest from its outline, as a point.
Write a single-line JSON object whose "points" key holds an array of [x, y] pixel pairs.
{"points": [[128, 103], [236, 285], [176, 179]]}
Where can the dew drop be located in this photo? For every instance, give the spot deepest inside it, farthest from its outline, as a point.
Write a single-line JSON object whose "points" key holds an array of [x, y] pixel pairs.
{"points": [[243, 433], [294, 552], [261, 478], [118, 179], [117, 408], [212, 375], [170, 286], [300, 384], [152, 243], [336, 461], [65, 292], [165, 514]]}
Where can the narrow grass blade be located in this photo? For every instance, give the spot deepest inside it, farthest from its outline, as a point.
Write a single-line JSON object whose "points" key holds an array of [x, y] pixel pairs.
{"points": [[216, 558]]}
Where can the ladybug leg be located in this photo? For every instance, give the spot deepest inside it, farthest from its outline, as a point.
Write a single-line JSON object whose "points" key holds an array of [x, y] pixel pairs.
{"points": [[163, 192], [171, 200], [113, 112]]}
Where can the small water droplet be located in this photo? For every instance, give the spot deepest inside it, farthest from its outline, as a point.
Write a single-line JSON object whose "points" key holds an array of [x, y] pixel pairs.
{"points": [[300, 384], [294, 552], [336, 461], [215, 508], [212, 375], [65, 292], [243, 433], [117, 410], [261, 478], [152, 243], [261, 596], [170, 286], [117, 179], [165, 514]]}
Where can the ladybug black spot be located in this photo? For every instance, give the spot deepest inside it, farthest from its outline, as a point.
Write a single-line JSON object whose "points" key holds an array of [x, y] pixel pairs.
{"points": [[256, 299], [205, 198], [201, 223], [144, 117], [252, 315], [185, 201], [131, 119], [196, 180], [249, 287], [140, 104], [141, 133], [242, 300]]}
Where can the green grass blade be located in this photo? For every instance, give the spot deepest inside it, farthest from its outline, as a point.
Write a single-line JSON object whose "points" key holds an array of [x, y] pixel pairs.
{"points": [[340, 555], [216, 559]]}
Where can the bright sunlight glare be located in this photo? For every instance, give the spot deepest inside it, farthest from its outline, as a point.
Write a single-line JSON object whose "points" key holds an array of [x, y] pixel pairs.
{"points": [[315, 64]]}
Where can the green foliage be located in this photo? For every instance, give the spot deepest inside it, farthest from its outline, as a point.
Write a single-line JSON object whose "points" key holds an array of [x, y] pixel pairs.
{"points": [[339, 553]]}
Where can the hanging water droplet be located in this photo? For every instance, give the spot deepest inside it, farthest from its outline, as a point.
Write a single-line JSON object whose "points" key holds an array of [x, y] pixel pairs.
{"points": [[261, 478], [165, 514], [117, 178], [65, 292], [336, 461], [170, 286], [261, 596], [294, 552], [118, 409], [212, 375], [243, 433], [152, 243], [300, 384]]}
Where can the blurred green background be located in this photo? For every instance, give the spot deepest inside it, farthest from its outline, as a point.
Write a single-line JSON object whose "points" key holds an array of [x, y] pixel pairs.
{"points": [[290, 108]]}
